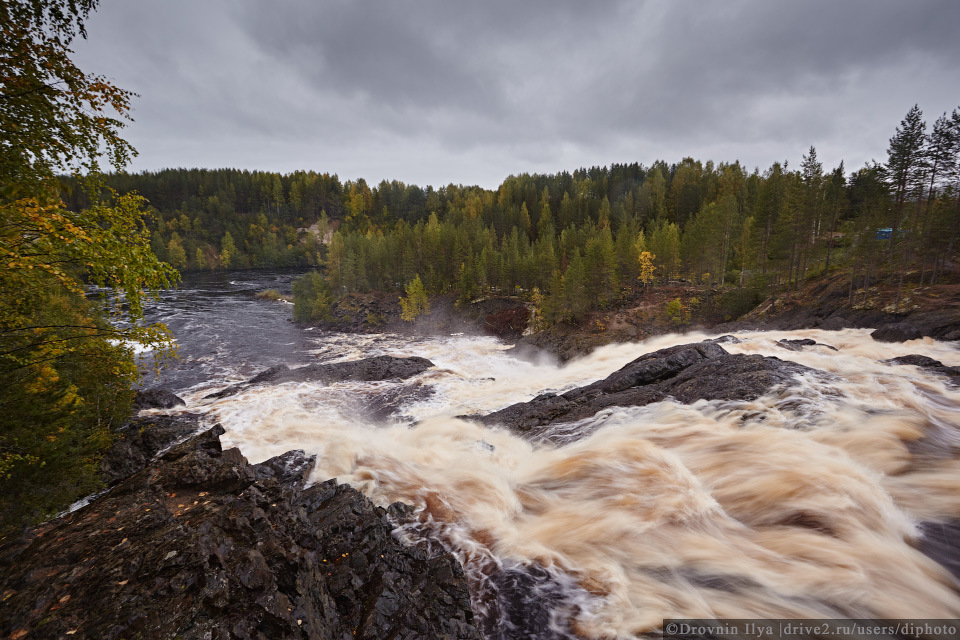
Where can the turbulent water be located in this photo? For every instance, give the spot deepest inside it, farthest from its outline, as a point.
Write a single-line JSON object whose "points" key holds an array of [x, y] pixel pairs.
{"points": [[803, 503]]}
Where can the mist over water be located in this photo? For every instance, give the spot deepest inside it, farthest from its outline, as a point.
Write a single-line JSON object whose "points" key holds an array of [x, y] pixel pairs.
{"points": [[802, 503]]}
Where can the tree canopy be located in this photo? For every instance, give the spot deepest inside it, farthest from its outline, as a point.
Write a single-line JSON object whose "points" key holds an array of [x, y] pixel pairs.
{"points": [[66, 357]]}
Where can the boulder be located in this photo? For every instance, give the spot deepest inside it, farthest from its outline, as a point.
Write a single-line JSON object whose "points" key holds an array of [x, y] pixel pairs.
{"points": [[687, 373], [202, 544], [928, 364], [798, 345], [897, 332], [367, 370], [156, 398]]}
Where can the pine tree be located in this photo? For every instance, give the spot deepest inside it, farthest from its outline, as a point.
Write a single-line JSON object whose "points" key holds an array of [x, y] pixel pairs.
{"points": [[576, 300], [664, 243], [905, 168]]}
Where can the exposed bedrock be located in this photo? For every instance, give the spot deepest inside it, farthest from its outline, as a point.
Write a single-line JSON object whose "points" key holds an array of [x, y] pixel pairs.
{"points": [[929, 364], [202, 544], [365, 370], [689, 372]]}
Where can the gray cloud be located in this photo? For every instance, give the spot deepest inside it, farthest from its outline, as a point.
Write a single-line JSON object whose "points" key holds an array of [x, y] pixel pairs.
{"points": [[438, 92]]}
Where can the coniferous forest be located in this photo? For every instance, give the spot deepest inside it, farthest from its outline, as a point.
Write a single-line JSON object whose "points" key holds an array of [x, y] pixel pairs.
{"points": [[574, 241], [568, 243], [229, 474]]}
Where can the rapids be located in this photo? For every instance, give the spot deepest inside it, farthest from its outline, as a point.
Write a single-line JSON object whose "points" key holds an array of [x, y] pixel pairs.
{"points": [[803, 503]]}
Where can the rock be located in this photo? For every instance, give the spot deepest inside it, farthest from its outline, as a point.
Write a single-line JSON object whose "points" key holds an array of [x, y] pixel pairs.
{"points": [[292, 468], [798, 345], [140, 440], [897, 332], [367, 370], [156, 399], [943, 324], [916, 360], [689, 372], [202, 544], [929, 364], [834, 323], [727, 339], [508, 324]]}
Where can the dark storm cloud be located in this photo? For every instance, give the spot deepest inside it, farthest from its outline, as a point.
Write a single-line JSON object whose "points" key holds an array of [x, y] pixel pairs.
{"points": [[434, 92]]}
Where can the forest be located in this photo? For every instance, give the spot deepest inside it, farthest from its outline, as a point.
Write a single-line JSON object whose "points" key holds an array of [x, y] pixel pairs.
{"points": [[573, 241], [84, 243]]}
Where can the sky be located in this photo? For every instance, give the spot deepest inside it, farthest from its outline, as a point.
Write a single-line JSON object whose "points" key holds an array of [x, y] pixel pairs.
{"points": [[440, 92]]}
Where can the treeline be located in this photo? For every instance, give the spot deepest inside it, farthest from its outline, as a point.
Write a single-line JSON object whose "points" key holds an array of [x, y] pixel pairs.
{"points": [[578, 240]]}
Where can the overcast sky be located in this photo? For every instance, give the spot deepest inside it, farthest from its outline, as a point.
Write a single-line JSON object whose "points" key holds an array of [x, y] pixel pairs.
{"points": [[434, 92]]}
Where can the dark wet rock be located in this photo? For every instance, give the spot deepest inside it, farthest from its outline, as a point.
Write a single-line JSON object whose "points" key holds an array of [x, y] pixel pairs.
{"points": [[156, 399], [928, 364], [916, 360], [687, 373], [798, 345], [828, 306], [140, 440], [366, 370], [727, 339], [202, 544], [897, 332], [834, 323], [269, 375], [292, 468], [508, 324]]}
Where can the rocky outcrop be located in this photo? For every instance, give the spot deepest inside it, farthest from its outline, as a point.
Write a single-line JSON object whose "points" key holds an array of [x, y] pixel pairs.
{"points": [[897, 332], [140, 440], [798, 345], [366, 370], [929, 364], [202, 544], [827, 304], [156, 399], [689, 372]]}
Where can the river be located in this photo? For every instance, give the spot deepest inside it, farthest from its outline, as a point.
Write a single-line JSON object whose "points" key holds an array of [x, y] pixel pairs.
{"points": [[662, 511]]}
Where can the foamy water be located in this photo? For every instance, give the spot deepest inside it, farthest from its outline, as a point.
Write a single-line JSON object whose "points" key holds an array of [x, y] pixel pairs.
{"points": [[803, 503]]}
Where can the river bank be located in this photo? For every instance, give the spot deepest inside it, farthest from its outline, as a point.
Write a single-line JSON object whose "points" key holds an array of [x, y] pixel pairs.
{"points": [[825, 303]]}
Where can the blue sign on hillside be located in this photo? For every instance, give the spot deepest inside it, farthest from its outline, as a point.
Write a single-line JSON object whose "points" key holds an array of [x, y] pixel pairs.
{"points": [[884, 234]]}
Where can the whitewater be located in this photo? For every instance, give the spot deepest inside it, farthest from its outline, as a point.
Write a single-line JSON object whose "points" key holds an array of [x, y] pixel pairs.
{"points": [[804, 503]]}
